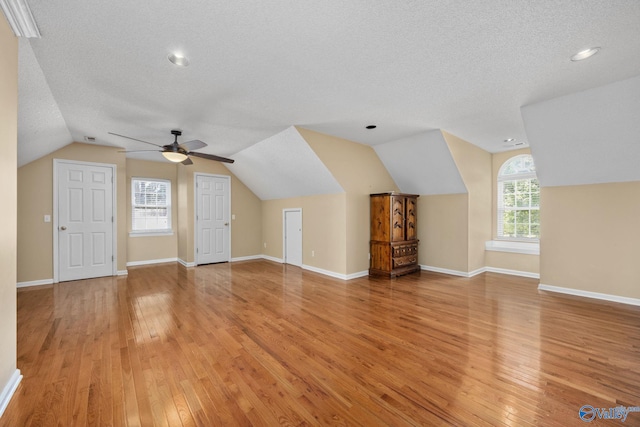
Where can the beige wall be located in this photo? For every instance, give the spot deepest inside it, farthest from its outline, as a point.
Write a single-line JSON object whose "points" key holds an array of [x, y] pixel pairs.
{"points": [[184, 240], [246, 229], [590, 238], [474, 165], [35, 199], [442, 230], [360, 172], [512, 261], [323, 230], [145, 248], [8, 195], [35, 237]]}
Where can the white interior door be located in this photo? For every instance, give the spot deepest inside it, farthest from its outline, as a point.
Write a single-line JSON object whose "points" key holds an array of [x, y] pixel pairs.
{"points": [[85, 221], [212, 219], [293, 236]]}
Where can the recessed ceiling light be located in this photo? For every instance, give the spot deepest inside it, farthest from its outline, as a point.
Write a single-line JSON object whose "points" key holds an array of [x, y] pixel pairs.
{"points": [[584, 54], [178, 59], [371, 127], [509, 140]]}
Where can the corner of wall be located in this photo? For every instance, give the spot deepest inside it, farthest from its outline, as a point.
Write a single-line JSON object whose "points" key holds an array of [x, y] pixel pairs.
{"points": [[9, 213], [475, 167]]}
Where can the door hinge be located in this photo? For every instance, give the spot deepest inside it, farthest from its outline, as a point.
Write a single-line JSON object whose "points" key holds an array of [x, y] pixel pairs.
{"points": [[197, 251], [111, 219], [113, 258]]}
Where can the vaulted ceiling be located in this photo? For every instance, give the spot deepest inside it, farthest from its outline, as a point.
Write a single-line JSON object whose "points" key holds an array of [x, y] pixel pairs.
{"points": [[257, 68]]}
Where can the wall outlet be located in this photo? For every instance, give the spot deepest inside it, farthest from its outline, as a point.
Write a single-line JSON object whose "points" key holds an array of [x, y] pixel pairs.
{"points": [[265, 244], [47, 218], [313, 253]]}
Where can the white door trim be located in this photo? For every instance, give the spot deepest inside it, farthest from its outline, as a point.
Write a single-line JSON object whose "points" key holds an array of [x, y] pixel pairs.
{"points": [[114, 207], [284, 235], [195, 212]]}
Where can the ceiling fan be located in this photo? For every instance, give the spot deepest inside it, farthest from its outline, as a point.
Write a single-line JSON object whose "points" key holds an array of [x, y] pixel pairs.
{"points": [[178, 153]]}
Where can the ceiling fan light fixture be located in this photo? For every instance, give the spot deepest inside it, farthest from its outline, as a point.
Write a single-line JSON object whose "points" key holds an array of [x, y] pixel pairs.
{"points": [[178, 59], [174, 156]]}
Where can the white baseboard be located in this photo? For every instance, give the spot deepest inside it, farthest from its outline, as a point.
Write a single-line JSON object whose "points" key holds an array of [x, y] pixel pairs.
{"points": [[357, 275], [589, 294], [274, 259], [445, 271], [151, 261], [8, 390], [479, 271], [512, 272], [334, 274], [476, 272], [247, 258], [122, 273], [186, 264], [324, 272], [34, 283]]}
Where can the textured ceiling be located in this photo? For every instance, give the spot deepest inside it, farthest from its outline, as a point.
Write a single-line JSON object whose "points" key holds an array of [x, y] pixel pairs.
{"points": [[41, 128], [283, 166], [332, 66], [588, 137], [422, 164]]}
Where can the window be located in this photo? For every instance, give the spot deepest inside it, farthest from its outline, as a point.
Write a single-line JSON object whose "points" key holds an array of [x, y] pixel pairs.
{"points": [[518, 200], [150, 205]]}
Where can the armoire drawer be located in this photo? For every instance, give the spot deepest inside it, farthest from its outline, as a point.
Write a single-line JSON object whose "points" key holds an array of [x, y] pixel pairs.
{"points": [[404, 261], [405, 250]]}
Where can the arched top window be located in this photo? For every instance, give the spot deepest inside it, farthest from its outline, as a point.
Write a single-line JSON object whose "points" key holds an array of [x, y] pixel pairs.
{"points": [[518, 199], [517, 166]]}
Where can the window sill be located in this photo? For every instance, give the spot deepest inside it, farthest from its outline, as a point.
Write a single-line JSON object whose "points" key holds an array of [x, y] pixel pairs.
{"points": [[150, 233], [528, 248]]}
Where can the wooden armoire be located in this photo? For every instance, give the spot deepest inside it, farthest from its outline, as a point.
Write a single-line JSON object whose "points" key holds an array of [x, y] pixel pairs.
{"points": [[394, 234]]}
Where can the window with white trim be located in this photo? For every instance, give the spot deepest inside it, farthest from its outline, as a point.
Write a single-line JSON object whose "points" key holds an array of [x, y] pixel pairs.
{"points": [[518, 200], [150, 205]]}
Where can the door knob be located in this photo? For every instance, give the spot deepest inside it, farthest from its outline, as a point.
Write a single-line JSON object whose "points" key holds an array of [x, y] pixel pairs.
{"points": [[226, 224], [63, 228]]}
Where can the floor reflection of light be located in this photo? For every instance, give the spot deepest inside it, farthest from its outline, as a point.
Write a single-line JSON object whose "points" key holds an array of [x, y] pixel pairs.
{"points": [[155, 311], [518, 356]]}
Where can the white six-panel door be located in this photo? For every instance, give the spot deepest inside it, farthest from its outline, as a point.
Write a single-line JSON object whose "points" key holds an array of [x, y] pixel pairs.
{"points": [[85, 221], [212, 219]]}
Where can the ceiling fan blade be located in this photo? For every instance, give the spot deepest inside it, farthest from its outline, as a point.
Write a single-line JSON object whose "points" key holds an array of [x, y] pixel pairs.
{"points": [[193, 145], [140, 151], [187, 162], [134, 139], [211, 157]]}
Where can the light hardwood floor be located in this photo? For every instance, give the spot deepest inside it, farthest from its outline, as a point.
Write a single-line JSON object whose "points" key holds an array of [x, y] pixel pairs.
{"points": [[259, 343]]}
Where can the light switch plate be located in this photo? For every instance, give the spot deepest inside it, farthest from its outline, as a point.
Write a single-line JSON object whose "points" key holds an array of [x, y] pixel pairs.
{"points": [[47, 218]]}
